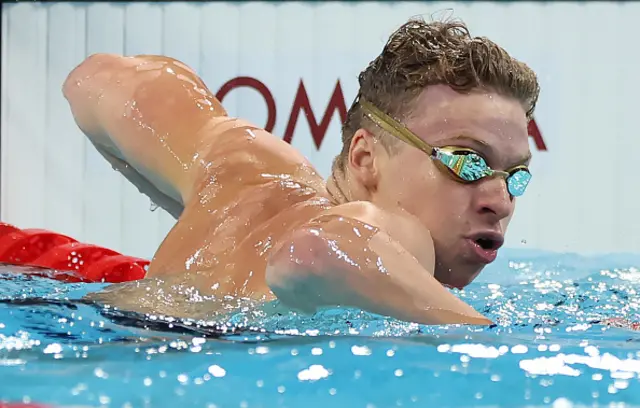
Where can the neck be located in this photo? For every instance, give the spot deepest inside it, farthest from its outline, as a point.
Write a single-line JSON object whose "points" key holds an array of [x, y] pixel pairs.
{"points": [[338, 188]]}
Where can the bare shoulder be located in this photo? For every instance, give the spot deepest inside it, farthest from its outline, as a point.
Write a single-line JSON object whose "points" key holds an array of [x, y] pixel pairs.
{"points": [[401, 226]]}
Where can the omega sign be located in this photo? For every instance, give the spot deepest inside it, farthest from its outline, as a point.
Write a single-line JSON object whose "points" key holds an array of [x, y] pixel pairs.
{"points": [[301, 103]]}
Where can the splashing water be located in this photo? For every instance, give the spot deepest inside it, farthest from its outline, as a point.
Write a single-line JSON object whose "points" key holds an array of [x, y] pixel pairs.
{"points": [[550, 346]]}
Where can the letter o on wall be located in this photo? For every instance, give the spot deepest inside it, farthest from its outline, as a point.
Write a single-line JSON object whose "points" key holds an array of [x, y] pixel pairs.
{"points": [[262, 89]]}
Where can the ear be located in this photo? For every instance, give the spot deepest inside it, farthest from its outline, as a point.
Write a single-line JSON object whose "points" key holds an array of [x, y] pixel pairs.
{"points": [[364, 159]]}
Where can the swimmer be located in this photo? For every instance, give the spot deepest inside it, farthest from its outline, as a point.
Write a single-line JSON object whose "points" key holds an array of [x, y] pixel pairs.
{"points": [[435, 155]]}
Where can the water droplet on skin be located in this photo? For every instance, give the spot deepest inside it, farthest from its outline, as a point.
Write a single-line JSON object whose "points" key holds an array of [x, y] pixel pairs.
{"points": [[523, 242]]}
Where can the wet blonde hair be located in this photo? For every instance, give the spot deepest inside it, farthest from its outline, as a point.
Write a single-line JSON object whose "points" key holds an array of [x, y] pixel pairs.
{"points": [[420, 54]]}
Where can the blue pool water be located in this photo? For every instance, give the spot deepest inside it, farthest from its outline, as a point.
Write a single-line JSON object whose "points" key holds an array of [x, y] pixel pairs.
{"points": [[546, 349]]}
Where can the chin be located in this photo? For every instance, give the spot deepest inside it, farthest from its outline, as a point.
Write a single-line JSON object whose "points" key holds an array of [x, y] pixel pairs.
{"points": [[459, 280]]}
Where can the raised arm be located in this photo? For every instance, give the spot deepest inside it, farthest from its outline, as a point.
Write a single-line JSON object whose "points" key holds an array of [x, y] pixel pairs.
{"points": [[355, 256], [143, 111]]}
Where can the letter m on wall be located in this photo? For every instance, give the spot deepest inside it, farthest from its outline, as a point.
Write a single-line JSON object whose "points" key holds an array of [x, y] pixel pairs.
{"points": [[318, 130]]}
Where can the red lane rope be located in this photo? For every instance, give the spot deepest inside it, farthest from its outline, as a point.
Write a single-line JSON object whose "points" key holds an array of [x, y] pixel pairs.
{"points": [[65, 258]]}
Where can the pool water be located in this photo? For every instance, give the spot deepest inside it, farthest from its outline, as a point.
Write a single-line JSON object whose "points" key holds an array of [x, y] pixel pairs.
{"points": [[549, 347]]}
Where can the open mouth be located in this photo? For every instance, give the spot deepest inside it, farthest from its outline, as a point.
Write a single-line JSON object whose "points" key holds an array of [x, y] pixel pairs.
{"points": [[488, 244], [485, 245]]}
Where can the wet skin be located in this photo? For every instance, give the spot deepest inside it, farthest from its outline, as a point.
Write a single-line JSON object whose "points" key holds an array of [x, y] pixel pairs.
{"points": [[256, 221]]}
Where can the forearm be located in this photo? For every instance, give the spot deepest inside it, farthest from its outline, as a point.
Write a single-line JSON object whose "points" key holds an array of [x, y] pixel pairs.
{"points": [[335, 266]]}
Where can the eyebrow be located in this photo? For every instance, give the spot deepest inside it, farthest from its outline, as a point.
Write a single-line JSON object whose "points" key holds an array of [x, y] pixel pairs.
{"points": [[486, 148]]}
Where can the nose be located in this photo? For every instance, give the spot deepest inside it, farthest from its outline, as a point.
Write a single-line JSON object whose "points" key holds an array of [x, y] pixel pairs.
{"points": [[493, 198]]}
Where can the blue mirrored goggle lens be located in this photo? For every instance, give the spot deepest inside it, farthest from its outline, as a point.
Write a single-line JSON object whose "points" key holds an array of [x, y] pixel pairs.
{"points": [[473, 167], [517, 182], [467, 166]]}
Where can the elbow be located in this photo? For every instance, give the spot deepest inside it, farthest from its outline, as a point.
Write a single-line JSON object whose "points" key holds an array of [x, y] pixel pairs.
{"points": [[82, 86], [296, 254], [85, 73], [293, 269]]}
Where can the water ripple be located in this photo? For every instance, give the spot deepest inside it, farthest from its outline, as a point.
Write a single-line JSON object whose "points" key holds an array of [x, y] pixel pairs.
{"points": [[563, 337]]}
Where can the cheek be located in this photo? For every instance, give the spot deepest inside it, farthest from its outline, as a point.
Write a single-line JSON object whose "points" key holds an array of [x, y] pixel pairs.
{"points": [[433, 195], [415, 185], [396, 176]]}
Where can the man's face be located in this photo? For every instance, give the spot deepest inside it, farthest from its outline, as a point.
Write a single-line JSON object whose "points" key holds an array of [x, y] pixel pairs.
{"points": [[458, 214]]}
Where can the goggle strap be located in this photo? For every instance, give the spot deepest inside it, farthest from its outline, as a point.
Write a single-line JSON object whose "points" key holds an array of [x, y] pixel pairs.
{"points": [[392, 126]]}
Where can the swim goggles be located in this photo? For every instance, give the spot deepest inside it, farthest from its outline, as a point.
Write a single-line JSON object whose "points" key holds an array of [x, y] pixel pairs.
{"points": [[466, 165]]}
